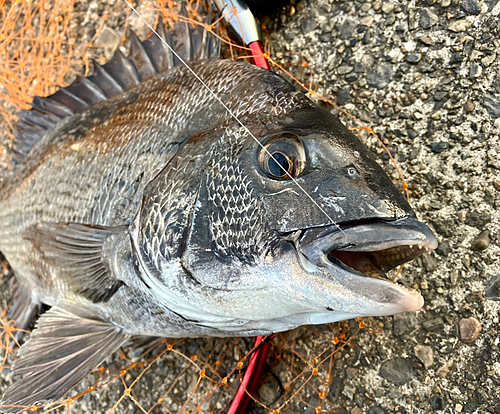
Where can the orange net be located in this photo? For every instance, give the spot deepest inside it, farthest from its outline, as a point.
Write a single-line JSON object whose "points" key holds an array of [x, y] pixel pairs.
{"points": [[41, 49]]}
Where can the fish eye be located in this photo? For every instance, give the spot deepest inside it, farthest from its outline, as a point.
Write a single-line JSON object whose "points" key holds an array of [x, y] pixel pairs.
{"points": [[279, 164], [282, 157], [352, 172]]}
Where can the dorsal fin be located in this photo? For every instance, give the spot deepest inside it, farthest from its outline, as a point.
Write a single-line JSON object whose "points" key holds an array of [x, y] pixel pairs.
{"points": [[145, 59], [159, 54]]}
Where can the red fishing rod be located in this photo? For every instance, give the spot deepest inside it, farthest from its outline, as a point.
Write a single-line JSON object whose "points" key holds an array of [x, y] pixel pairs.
{"points": [[243, 25]]}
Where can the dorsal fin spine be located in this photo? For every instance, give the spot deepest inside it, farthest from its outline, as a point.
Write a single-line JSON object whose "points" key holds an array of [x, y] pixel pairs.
{"points": [[122, 70], [37, 117], [52, 107], [105, 81], [139, 56], [87, 90], [161, 57], [66, 98]]}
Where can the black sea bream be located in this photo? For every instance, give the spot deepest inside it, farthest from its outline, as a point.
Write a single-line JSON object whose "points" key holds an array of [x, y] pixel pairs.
{"points": [[138, 205]]}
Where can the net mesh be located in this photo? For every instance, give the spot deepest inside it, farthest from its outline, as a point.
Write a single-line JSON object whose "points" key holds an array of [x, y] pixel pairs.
{"points": [[41, 48]]}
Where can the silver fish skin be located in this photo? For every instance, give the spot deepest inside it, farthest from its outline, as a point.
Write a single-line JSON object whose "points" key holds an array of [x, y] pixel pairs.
{"points": [[154, 212]]}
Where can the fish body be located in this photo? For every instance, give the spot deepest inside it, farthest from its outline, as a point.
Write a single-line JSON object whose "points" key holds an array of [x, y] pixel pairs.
{"points": [[153, 211]]}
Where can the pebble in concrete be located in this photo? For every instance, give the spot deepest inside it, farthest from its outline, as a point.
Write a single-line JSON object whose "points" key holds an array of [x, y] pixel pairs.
{"points": [[481, 242], [398, 370], [427, 19], [469, 330], [425, 354], [471, 6]]}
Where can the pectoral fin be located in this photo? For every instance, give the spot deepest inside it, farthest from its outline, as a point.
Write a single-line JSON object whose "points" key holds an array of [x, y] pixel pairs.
{"points": [[62, 349], [82, 254]]}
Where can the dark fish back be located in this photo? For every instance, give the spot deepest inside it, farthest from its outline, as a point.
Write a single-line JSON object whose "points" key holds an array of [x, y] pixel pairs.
{"points": [[86, 153], [145, 60]]}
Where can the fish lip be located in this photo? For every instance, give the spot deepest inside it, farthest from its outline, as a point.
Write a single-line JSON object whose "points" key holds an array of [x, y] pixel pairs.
{"points": [[325, 247], [374, 235], [367, 236], [407, 231]]}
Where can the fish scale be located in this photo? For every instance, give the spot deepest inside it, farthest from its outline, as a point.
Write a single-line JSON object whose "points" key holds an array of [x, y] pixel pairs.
{"points": [[236, 231]]}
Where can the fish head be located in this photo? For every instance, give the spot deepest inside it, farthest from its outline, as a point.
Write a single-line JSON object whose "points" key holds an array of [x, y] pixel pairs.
{"points": [[291, 222], [335, 221]]}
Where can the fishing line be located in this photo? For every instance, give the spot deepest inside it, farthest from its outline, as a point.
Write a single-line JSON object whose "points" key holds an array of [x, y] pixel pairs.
{"points": [[230, 112]]}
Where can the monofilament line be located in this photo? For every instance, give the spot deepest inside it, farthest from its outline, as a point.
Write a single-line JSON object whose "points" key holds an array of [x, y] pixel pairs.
{"points": [[230, 112]]}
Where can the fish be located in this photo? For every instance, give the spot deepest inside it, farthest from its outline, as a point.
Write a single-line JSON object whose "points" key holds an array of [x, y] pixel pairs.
{"points": [[214, 198]]}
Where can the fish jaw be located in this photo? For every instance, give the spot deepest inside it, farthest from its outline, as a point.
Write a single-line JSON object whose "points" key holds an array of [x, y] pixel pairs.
{"points": [[357, 256], [374, 296], [300, 290], [300, 282]]}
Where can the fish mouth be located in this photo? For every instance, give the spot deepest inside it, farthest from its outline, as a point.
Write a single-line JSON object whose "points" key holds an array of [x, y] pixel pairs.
{"points": [[375, 249], [370, 249]]}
